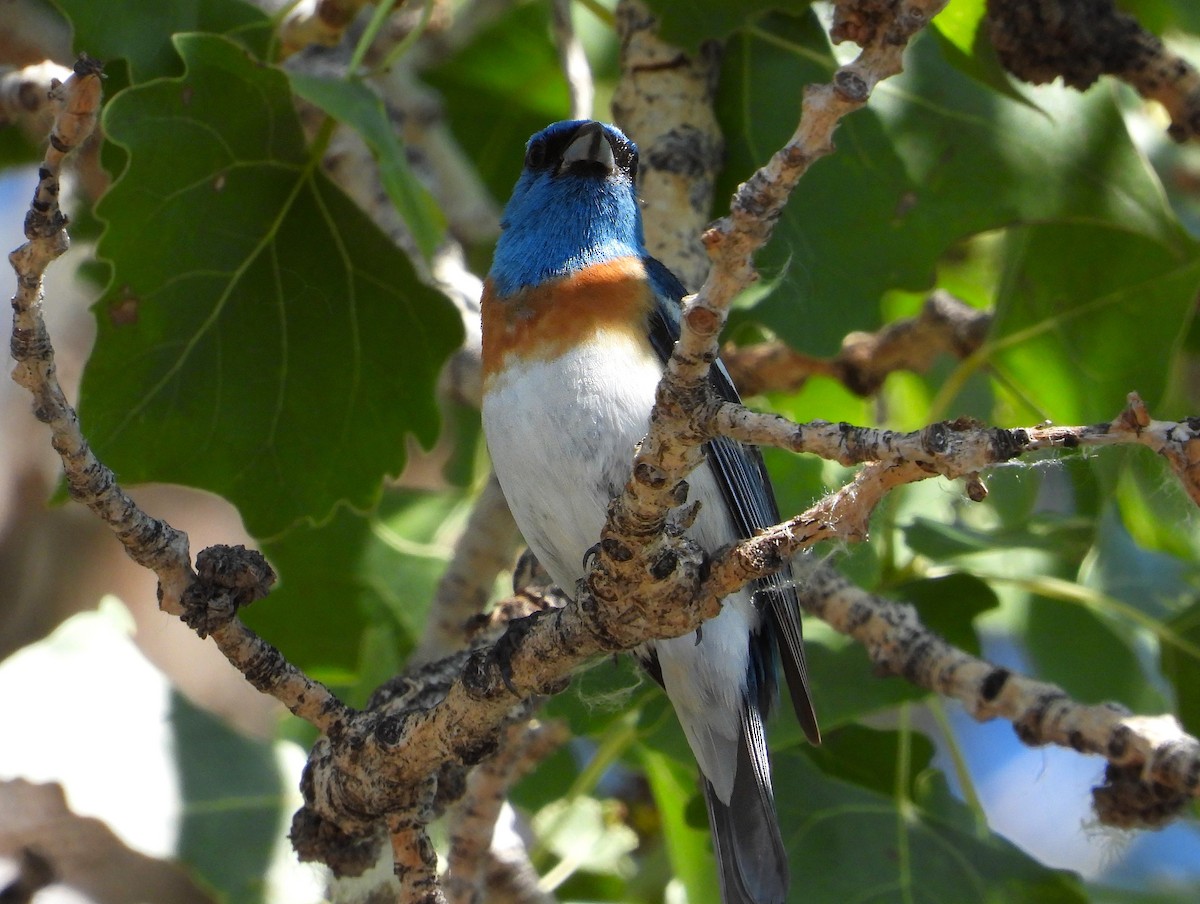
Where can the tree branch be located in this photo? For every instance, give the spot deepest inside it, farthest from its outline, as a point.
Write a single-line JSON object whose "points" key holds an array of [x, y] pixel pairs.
{"points": [[944, 326], [1080, 40], [152, 543]]}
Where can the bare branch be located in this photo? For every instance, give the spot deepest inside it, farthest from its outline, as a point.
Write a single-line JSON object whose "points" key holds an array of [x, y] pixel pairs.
{"points": [[522, 746], [415, 859], [1155, 765], [944, 326], [152, 543]]}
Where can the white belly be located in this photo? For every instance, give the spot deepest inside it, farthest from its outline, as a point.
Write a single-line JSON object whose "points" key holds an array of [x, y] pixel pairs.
{"points": [[562, 435]]}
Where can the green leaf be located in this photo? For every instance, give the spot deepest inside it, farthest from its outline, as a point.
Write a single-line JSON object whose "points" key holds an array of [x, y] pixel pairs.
{"points": [[141, 31], [1154, 506], [689, 847], [934, 158], [260, 338], [234, 812], [1182, 669], [354, 592], [508, 67], [959, 28], [938, 540], [691, 24], [948, 605], [867, 757], [924, 848], [1071, 333], [1090, 654], [844, 684], [353, 103]]}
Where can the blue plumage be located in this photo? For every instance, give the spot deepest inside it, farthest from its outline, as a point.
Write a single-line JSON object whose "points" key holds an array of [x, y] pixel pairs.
{"points": [[553, 227]]}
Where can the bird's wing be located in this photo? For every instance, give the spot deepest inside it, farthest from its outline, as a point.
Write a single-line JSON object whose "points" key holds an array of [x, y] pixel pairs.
{"points": [[746, 487]]}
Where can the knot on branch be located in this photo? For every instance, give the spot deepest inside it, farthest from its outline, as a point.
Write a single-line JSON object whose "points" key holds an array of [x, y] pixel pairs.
{"points": [[317, 840], [1079, 40], [1083, 39], [624, 592], [487, 673], [1126, 800], [227, 578]]}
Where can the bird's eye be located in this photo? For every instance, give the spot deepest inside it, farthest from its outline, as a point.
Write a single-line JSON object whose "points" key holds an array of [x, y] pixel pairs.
{"points": [[535, 157]]}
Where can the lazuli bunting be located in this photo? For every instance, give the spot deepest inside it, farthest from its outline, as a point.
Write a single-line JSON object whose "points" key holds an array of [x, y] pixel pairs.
{"points": [[578, 321]]}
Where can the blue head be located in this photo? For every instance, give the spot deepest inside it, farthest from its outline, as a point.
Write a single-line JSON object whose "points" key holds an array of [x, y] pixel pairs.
{"points": [[574, 205]]}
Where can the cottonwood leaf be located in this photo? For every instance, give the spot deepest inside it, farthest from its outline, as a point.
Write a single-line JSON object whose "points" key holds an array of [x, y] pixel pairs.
{"points": [[142, 30], [260, 337], [353, 103], [1087, 313], [923, 845], [933, 159]]}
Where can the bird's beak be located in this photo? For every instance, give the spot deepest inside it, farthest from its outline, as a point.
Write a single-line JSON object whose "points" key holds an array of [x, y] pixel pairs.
{"points": [[589, 147]]}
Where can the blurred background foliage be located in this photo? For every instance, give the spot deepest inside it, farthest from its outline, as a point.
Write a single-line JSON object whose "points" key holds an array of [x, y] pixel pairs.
{"points": [[257, 337]]}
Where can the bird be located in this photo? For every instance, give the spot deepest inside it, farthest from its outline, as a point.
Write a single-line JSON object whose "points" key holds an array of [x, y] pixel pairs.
{"points": [[578, 322]]}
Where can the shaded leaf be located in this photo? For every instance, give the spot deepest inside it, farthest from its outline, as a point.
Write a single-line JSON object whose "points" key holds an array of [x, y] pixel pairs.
{"points": [[359, 107], [1183, 670], [948, 606], [689, 847], [960, 30], [260, 337], [354, 592], [924, 849], [879, 214], [691, 24], [1089, 655], [867, 757], [510, 67], [141, 31]]}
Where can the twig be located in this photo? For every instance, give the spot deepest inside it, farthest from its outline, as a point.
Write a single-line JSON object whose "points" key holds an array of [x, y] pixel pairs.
{"points": [[671, 450], [152, 543], [1154, 765], [944, 326], [522, 746], [951, 449], [226, 578]]}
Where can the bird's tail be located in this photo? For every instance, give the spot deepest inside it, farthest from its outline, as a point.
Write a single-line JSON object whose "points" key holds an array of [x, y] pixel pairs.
{"points": [[750, 854]]}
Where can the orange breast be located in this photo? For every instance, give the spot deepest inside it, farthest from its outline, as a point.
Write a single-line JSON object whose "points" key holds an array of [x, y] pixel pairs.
{"points": [[541, 323]]}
